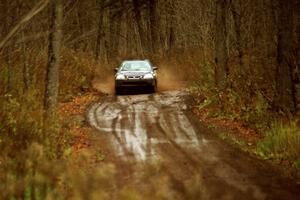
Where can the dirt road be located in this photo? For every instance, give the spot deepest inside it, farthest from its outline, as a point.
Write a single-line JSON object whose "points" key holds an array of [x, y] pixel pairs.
{"points": [[139, 130]]}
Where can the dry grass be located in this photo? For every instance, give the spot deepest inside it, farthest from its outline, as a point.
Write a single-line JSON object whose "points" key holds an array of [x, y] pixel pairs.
{"points": [[28, 158], [282, 141]]}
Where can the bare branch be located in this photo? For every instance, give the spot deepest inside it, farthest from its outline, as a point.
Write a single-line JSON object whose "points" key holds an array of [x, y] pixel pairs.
{"points": [[34, 11]]}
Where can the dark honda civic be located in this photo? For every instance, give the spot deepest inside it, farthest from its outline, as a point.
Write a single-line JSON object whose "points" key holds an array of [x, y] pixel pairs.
{"points": [[135, 73]]}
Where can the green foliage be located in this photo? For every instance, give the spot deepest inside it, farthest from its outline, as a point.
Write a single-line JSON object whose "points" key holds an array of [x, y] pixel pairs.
{"points": [[282, 141], [23, 146], [212, 126], [31, 161], [230, 103], [204, 76], [203, 80], [296, 165], [76, 74], [257, 115], [21, 120], [250, 104]]}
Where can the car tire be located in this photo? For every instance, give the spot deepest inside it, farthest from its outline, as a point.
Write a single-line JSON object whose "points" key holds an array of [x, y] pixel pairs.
{"points": [[154, 88], [118, 90]]}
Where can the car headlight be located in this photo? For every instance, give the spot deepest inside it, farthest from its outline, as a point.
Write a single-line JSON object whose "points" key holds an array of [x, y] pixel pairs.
{"points": [[120, 77], [148, 76]]}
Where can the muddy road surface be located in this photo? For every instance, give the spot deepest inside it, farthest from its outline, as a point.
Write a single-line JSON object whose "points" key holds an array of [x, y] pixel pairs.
{"points": [[142, 131]]}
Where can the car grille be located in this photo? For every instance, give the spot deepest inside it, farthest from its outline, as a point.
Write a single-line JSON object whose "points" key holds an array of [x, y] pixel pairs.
{"points": [[134, 77]]}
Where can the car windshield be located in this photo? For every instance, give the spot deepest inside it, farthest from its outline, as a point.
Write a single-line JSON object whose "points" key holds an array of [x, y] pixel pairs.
{"points": [[136, 66]]}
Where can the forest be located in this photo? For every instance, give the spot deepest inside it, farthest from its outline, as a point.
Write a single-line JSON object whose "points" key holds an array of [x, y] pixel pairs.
{"points": [[239, 59]]}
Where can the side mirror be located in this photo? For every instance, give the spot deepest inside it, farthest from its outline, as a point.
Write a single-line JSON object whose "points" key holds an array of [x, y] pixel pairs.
{"points": [[155, 68], [116, 69]]}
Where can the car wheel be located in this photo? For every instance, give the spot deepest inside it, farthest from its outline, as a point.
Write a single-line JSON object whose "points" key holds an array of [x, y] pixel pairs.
{"points": [[154, 88], [118, 90]]}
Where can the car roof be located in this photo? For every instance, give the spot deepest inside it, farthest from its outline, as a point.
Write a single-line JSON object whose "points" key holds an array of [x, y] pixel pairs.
{"points": [[125, 61]]}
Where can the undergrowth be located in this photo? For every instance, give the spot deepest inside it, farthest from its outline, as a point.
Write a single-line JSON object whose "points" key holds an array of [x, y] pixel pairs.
{"points": [[252, 106], [38, 166], [281, 142], [24, 148], [31, 162]]}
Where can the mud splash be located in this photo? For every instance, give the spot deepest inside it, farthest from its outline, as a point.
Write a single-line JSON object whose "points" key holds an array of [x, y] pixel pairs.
{"points": [[104, 85], [168, 79], [171, 79]]}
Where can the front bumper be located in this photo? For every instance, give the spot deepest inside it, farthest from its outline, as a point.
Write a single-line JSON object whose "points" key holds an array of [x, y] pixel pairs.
{"points": [[135, 83]]}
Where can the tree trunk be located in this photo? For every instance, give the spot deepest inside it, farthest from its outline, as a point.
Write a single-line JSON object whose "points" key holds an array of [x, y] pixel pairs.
{"points": [[9, 71], [171, 23], [124, 29], [221, 70], [7, 51], [25, 19], [237, 26], [100, 31], [26, 71], [52, 76], [114, 30], [138, 20], [117, 34], [285, 88], [154, 26]]}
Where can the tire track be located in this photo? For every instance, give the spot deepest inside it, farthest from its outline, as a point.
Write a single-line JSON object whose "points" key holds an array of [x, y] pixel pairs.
{"points": [[142, 128], [140, 124]]}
